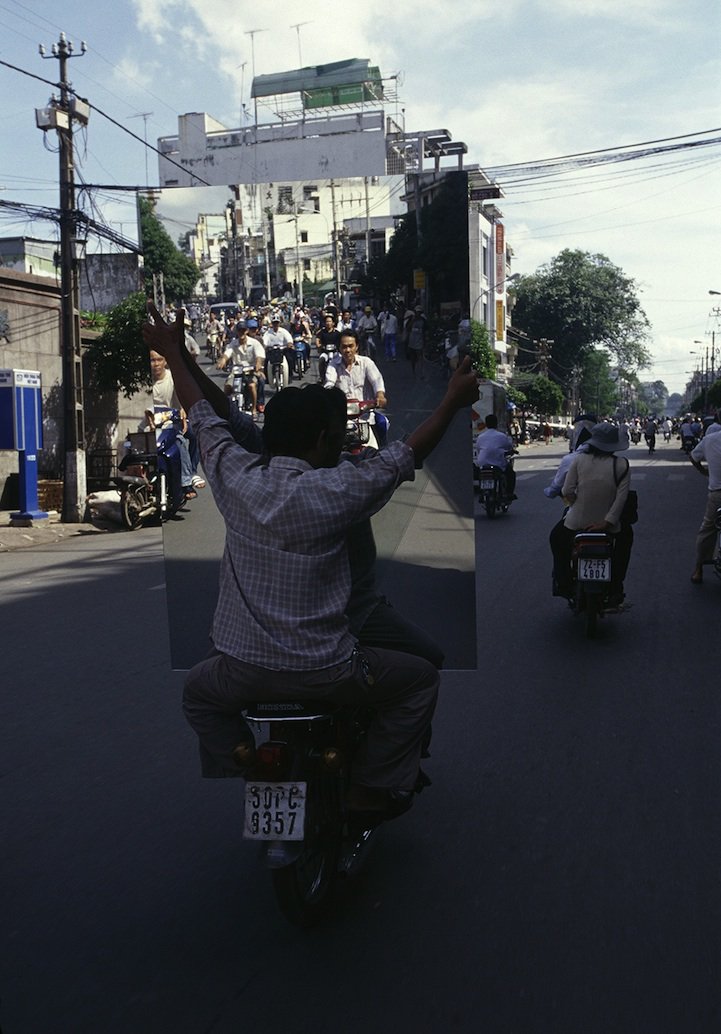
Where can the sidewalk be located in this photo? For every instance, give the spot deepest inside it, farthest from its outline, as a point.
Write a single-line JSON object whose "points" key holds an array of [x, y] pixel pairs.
{"points": [[47, 531]]}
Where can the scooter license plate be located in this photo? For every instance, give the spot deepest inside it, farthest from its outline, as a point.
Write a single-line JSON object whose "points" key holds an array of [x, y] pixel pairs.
{"points": [[274, 811], [595, 569], [487, 484]]}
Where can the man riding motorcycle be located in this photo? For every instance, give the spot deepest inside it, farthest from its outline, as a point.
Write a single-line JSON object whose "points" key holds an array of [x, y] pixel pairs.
{"points": [[358, 377], [493, 448]]}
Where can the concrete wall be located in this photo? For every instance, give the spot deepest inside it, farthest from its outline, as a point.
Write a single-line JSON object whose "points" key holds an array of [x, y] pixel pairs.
{"points": [[107, 280], [30, 340]]}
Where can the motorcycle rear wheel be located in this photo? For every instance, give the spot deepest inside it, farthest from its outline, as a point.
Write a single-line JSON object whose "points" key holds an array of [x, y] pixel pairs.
{"points": [[490, 508], [593, 607], [133, 500], [304, 889]]}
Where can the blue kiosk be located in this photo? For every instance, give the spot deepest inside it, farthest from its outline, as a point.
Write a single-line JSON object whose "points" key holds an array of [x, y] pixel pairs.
{"points": [[21, 428]]}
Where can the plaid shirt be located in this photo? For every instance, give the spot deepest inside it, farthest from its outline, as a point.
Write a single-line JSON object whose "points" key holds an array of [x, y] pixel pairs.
{"points": [[285, 575]]}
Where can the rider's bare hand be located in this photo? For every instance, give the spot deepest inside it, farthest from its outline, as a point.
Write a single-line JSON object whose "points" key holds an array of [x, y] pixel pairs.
{"points": [[463, 386], [165, 338]]}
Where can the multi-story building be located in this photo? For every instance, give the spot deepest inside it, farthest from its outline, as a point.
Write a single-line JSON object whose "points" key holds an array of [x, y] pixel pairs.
{"points": [[319, 189]]}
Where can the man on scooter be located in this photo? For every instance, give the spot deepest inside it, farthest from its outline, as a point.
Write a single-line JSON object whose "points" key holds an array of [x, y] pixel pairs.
{"points": [[358, 377], [493, 448]]}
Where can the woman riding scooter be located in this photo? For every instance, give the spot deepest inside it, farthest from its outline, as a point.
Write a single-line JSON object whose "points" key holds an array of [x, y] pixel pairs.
{"points": [[596, 487]]}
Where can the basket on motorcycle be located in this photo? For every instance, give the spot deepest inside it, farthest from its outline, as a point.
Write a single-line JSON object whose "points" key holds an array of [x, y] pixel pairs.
{"points": [[142, 441]]}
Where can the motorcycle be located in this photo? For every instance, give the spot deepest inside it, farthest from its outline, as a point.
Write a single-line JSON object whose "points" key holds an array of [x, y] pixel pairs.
{"points": [[296, 783], [635, 434], [241, 381], [363, 428], [302, 358], [150, 481], [277, 368], [493, 488], [689, 443], [650, 442], [591, 563], [325, 356]]}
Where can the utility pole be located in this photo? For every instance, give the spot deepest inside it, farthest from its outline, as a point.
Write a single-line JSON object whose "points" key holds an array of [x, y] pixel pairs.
{"points": [[60, 116], [144, 115]]}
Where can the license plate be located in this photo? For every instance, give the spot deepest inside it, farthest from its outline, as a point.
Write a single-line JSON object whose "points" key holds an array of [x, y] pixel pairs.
{"points": [[487, 484], [274, 811], [595, 569]]}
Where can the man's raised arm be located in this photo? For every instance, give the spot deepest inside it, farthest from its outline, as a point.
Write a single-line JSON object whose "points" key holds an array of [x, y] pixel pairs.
{"points": [[462, 391]]}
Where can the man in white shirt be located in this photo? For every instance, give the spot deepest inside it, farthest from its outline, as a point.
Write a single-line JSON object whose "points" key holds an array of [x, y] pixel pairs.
{"points": [[492, 447], [366, 328], [358, 377], [709, 449], [279, 337], [389, 333]]}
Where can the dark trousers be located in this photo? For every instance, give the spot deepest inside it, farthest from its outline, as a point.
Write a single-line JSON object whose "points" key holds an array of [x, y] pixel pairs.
{"points": [[401, 689]]}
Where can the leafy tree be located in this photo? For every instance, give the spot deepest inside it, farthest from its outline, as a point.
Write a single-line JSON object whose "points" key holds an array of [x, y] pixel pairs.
{"points": [[712, 400], [516, 396], [160, 255], [482, 354], [443, 249], [598, 389], [119, 356], [544, 396], [582, 302], [655, 395]]}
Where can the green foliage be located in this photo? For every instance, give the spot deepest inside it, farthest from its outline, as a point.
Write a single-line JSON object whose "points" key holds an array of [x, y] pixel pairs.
{"points": [[443, 249], [544, 396], [582, 302], [482, 355], [598, 390], [119, 357], [711, 402], [160, 255], [515, 395], [655, 395]]}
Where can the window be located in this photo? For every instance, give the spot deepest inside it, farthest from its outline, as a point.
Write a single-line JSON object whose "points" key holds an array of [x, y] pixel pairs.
{"points": [[303, 236], [285, 200], [306, 264]]}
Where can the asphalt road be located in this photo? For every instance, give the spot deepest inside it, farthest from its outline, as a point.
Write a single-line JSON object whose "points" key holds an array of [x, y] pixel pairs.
{"points": [[561, 875]]}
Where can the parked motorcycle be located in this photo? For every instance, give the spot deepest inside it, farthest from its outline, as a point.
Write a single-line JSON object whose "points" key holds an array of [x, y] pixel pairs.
{"points": [[150, 481], [297, 776], [493, 488]]}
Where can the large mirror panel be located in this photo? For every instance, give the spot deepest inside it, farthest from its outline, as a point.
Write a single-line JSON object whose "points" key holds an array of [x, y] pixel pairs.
{"points": [[275, 245]]}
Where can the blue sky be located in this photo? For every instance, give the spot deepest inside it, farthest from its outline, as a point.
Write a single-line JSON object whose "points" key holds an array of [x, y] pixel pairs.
{"points": [[517, 80]]}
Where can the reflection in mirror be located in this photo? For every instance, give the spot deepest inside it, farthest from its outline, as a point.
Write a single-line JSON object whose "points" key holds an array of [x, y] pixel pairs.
{"points": [[264, 248]]}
